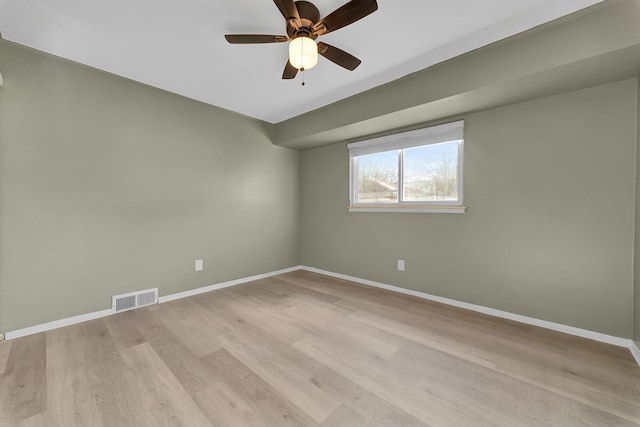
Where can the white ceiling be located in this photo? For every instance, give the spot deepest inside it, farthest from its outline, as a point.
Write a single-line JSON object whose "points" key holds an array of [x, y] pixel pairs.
{"points": [[179, 45]]}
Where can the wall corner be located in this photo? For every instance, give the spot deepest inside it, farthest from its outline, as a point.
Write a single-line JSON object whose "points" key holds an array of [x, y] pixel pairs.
{"points": [[636, 247]]}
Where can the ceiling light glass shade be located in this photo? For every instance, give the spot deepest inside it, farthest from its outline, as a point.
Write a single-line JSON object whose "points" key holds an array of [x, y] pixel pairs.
{"points": [[303, 53]]}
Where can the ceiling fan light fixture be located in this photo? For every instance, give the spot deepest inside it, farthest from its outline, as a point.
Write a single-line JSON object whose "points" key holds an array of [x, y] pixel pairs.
{"points": [[303, 53]]}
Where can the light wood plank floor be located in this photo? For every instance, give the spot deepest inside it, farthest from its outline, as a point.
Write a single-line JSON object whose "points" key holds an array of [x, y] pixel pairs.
{"points": [[302, 349]]}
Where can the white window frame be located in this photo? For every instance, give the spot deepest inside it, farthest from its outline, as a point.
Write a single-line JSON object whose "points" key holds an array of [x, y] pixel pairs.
{"points": [[448, 132]]}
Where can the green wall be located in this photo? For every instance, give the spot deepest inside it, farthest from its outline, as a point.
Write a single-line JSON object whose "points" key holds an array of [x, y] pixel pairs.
{"points": [[549, 229], [108, 186]]}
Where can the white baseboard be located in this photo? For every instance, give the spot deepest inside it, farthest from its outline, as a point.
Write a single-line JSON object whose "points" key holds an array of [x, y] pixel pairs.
{"points": [[210, 288], [103, 313], [584, 333], [18, 333], [635, 351]]}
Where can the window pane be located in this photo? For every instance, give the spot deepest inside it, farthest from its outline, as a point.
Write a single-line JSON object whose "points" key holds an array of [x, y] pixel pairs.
{"points": [[378, 177], [431, 173]]}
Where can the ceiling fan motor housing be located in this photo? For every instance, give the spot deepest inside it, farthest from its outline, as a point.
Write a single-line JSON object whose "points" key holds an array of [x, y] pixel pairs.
{"points": [[309, 16]]}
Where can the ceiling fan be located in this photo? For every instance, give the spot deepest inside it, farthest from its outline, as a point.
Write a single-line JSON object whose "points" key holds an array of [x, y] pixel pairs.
{"points": [[304, 26]]}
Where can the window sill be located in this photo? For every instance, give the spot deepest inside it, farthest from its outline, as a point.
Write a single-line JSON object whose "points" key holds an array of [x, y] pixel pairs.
{"points": [[410, 209]]}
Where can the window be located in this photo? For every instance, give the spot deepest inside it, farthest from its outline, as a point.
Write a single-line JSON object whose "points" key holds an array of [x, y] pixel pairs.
{"points": [[416, 171]]}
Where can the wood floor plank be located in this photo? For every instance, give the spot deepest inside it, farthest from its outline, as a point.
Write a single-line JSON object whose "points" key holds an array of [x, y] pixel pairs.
{"points": [[23, 392], [266, 293], [115, 387], [39, 420], [360, 403], [164, 396], [5, 348], [123, 331], [345, 416], [249, 311], [197, 332], [286, 373], [264, 350], [266, 402], [399, 391], [421, 335], [70, 400], [184, 365], [360, 343], [226, 408]]}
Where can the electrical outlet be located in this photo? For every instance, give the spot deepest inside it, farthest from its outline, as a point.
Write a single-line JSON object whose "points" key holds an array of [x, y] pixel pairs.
{"points": [[199, 265], [400, 265]]}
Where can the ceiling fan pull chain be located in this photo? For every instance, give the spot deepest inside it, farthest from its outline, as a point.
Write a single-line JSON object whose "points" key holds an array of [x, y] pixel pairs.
{"points": [[302, 56]]}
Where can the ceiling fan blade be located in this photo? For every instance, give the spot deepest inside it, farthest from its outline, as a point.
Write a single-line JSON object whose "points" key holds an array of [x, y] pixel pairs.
{"points": [[338, 56], [345, 15], [289, 11], [289, 71], [254, 38]]}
